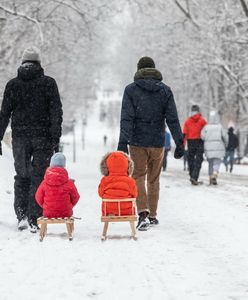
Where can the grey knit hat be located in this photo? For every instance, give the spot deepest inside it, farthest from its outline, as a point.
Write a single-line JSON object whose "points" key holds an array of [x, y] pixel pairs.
{"points": [[31, 54], [58, 160], [145, 62]]}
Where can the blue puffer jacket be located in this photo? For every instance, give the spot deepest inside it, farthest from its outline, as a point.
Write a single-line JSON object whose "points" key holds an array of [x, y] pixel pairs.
{"points": [[146, 104]]}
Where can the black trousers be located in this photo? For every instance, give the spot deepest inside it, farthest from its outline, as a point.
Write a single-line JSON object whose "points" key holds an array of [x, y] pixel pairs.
{"points": [[32, 157], [195, 157], [165, 159]]}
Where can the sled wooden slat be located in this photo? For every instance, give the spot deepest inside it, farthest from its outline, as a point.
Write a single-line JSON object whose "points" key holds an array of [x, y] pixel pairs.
{"points": [[44, 221], [130, 218]]}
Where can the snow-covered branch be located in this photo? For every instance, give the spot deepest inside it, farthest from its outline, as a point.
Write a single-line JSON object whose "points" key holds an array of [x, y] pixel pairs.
{"points": [[24, 16]]}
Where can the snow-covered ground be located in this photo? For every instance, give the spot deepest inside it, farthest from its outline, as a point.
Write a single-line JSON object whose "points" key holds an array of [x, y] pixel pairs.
{"points": [[199, 250]]}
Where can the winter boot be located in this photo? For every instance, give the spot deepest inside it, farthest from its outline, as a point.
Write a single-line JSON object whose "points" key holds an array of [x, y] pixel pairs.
{"points": [[23, 224], [34, 228], [143, 223], [214, 178], [153, 221]]}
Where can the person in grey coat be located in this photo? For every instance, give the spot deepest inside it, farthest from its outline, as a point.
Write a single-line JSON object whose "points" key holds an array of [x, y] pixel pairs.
{"points": [[215, 141]]}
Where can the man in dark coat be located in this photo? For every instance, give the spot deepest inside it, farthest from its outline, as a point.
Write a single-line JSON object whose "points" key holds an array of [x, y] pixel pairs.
{"points": [[146, 103], [233, 143], [32, 102]]}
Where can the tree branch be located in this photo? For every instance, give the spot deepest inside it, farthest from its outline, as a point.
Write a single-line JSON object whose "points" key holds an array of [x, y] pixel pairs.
{"points": [[28, 18], [186, 13], [245, 7]]}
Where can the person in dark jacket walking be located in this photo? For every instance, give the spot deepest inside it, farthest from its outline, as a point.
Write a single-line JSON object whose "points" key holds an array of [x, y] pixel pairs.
{"points": [[33, 103], [233, 143], [146, 103], [192, 135], [167, 148]]}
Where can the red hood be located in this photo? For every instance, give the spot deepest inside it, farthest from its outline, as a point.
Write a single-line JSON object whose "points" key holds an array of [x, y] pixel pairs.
{"points": [[196, 117], [117, 164], [56, 176]]}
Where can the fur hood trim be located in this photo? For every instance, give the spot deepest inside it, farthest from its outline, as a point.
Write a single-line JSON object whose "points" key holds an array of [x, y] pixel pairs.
{"points": [[104, 168]]}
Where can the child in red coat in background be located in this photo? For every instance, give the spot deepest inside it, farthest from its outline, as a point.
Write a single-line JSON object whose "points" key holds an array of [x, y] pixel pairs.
{"points": [[57, 194], [116, 183]]}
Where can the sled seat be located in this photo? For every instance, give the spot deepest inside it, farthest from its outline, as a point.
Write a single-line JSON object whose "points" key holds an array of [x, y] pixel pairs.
{"points": [[42, 221], [113, 218]]}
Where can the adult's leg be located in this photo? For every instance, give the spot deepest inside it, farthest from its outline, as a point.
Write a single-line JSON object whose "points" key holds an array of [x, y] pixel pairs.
{"points": [[216, 165], [191, 156], [198, 159], [165, 159], [210, 166], [22, 163], [155, 160], [231, 155], [41, 152], [140, 157]]}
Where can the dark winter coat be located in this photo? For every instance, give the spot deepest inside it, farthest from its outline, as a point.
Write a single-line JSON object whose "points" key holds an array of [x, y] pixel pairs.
{"points": [[33, 103], [146, 103], [233, 141], [57, 194]]}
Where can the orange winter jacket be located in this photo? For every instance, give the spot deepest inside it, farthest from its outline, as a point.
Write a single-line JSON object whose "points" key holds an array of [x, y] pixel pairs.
{"points": [[116, 184]]}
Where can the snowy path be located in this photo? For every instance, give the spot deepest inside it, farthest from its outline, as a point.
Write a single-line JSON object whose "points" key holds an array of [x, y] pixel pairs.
{"points": [[199, 250]]}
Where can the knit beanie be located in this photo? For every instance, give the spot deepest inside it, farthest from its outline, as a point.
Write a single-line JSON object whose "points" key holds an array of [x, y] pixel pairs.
{"points": [[31, 54], [58, 160], [195, 108], [145, 62]]}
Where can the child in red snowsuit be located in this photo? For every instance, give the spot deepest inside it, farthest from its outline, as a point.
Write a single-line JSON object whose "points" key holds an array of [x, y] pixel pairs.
{"points": [[57, 194], [116, 183]]}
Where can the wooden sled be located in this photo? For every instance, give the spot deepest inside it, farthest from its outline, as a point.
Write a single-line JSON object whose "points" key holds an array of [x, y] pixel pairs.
{"points": [[131, 218], [69, 222]]}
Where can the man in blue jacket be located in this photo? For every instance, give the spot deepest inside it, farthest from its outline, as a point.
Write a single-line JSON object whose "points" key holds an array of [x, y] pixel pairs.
{"points": [[146, 104]]}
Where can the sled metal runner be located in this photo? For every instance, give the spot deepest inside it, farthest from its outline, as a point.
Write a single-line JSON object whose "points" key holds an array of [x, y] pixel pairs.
{"points": [[106, 219]]}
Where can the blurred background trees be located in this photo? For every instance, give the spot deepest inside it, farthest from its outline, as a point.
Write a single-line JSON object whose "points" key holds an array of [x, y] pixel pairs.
{"points": [[199, 46]]}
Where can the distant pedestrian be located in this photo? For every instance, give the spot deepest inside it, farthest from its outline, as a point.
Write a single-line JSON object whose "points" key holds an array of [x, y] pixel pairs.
{"points": [[32, 102], [192, 133], [232, 145], [215, 141], [167, 148], [105, 138], [146, 104]]}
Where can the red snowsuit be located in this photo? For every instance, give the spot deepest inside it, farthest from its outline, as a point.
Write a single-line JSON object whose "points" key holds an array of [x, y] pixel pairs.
{"points": [[57, 194], [117, 184]]}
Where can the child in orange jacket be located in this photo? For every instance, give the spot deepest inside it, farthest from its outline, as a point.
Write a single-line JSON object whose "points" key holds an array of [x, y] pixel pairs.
{"points": [[116, 183]]}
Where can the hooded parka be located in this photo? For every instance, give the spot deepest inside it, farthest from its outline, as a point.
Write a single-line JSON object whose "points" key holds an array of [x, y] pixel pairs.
{"points": [[116, 183], [57, 194]]}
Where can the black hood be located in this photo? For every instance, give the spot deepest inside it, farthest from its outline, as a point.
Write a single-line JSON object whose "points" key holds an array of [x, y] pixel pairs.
{"points": [[29, 71], [149, 79]]}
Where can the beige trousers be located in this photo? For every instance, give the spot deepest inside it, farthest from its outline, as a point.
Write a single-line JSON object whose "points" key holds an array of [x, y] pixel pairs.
{"points": [[147, 167]]}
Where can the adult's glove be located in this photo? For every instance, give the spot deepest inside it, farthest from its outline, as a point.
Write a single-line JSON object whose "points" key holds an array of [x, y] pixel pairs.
{"points": [[123, 147], [179, 152], [1, 153]]}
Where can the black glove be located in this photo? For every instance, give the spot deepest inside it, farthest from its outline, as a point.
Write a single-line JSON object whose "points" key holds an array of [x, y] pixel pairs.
{"points": [[122, 147], [179, 152], [55, 144], [1, 153]]}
